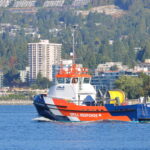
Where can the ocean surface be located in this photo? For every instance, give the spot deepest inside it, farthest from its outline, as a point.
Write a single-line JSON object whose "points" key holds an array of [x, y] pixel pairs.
{"points": [[19, 130]]}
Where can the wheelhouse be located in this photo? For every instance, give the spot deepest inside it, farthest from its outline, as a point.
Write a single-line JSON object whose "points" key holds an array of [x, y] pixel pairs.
{"points": [[74, 75]]}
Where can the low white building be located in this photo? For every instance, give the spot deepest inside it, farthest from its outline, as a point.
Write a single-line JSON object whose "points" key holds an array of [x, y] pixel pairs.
{"points": [[107, 66], [143, 67], [80, 2], [24, 3], [53, 3], [24, 74]]}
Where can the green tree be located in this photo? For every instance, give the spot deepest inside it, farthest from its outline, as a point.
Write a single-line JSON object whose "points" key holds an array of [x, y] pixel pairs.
{"points": [[114, 68], [146, 50], [42, 82], [12, 78], [146, 84], [68, 2], [131, 85], [40, 3]]}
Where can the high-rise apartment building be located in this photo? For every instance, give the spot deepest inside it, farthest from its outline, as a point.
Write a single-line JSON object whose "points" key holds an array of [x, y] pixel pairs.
{"points": [[41, 57]]}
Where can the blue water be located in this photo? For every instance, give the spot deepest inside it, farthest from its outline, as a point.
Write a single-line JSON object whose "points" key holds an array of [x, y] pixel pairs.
{"points": [[18, 131]]}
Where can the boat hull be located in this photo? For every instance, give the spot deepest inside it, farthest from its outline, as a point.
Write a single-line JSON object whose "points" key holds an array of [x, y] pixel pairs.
{"points": [[63, 110]]}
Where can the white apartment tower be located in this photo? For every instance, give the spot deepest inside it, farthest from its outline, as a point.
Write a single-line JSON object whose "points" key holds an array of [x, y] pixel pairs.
{"points": [[41, 57]]}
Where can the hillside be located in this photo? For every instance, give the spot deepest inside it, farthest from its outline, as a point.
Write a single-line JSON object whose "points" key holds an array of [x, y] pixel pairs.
{"points": [[100, 37], [111, 10]]}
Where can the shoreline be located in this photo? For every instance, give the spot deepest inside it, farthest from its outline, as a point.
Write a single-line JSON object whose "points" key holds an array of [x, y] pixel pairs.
{"points": [[30, 102], [16, 102]]}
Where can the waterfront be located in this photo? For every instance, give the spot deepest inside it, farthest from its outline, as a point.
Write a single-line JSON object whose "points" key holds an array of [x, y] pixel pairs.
{"points": [[16, 102], [18, 131]]}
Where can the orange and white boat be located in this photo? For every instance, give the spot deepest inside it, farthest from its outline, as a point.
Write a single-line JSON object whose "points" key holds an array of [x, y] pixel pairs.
{"points": [[73, 98]]}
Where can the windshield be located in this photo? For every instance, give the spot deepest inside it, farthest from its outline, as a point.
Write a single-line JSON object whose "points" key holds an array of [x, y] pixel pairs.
{"points": [[86, 80], [64, 80], [68, 80], [60, 80]]}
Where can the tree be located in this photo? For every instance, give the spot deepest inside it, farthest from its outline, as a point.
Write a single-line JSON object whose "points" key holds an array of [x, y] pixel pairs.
{"points": [[39, 3], [125, 4], [42, 82], [12, 78], [68, 2], [114, 68], [131, 85], [146, 50], [146, 84]]}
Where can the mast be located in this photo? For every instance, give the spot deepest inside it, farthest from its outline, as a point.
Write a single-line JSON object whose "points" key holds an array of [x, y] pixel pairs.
{"points": [[73, 42], [73, 47]]}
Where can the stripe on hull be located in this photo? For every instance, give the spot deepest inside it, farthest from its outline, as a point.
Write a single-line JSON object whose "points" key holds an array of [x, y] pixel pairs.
{"points": [[55, 111], [73, 118]]}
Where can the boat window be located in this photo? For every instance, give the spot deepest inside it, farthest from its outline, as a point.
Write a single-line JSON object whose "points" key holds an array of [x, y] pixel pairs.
{"points": [[60, 80], [86, 80], [74, 80], [68, 80]]}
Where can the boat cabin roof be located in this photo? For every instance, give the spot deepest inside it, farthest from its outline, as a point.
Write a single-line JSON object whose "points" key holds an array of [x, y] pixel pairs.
{"points": [[73, 71]]}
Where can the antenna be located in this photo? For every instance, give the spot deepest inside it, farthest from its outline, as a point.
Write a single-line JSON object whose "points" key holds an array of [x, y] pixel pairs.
{"points": [[73, 42], [73, 47]]}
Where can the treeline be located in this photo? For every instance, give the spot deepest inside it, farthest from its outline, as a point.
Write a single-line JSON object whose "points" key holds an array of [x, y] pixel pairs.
{"points": [[123, 4], [134, 87], [99, 38], [128, 4]]}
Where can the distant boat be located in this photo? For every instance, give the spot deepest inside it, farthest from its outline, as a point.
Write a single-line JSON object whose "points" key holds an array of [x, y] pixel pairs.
{"points": [[74, 99]]}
